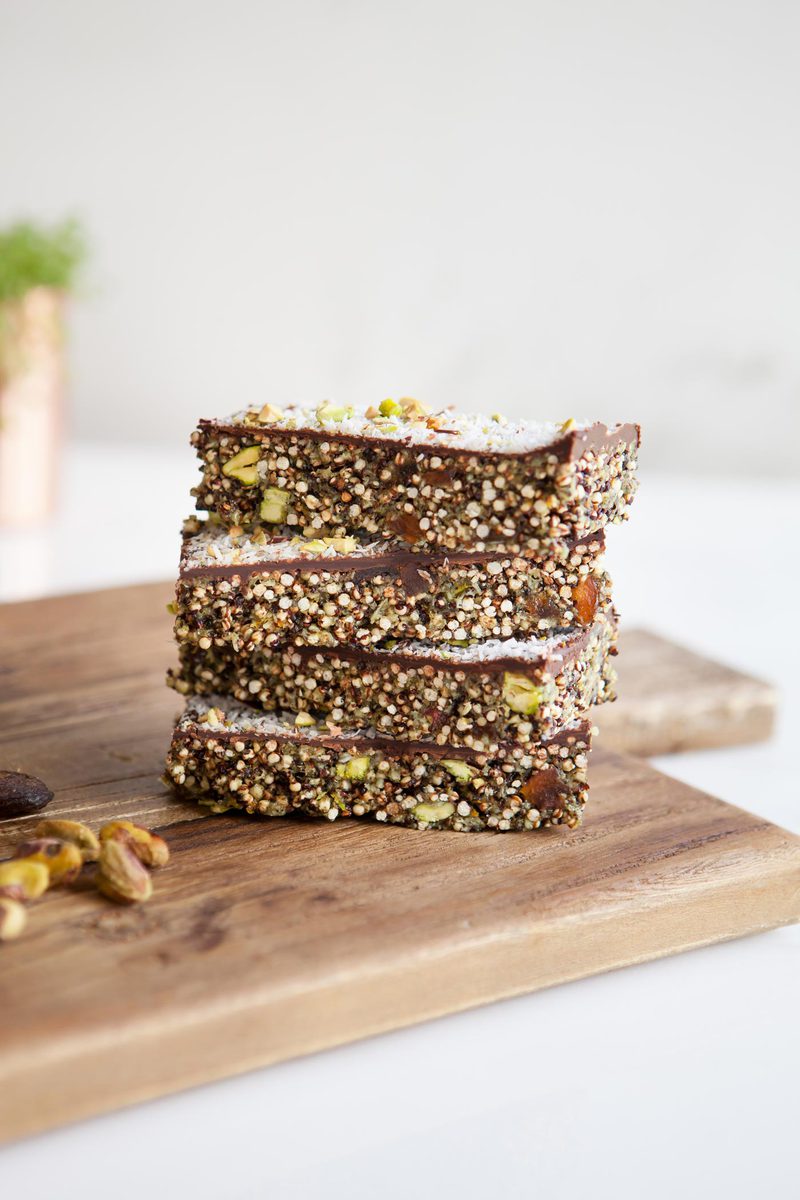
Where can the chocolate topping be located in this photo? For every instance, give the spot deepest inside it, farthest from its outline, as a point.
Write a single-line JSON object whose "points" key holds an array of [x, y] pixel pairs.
{"points": [[560, 651], [566, 448], [390, 747]]}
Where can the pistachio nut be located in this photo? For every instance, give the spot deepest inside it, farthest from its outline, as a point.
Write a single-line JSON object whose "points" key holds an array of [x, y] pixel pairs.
{"points": [[431, 811], [333, 412], [120, 874], [70, 831], [459, 770], [354, 768], [303, 720], [342, 545], [243, 465], [412, 409], [63, 860], [521, 695], [148, 847], [13, 918], [23, 879], [269, 413], [389, 408], [274, 506]]}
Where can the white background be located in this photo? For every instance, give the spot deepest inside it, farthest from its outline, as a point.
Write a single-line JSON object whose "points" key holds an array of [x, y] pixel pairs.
{"points": [[554, 207], [551, 208]]}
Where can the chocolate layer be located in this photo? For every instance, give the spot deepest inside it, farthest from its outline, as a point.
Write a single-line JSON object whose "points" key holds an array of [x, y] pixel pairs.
{"points": [[566, 447]]}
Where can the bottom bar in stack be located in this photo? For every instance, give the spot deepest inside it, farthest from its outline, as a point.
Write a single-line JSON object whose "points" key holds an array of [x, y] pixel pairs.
{"points": [[229, 756]]}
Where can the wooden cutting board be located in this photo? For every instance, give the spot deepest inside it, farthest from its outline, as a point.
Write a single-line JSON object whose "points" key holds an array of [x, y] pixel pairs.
{"points": [[268, 939]]}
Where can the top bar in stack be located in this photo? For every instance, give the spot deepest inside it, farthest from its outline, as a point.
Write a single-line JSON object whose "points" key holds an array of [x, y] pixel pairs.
{"points": [[427, 481]]}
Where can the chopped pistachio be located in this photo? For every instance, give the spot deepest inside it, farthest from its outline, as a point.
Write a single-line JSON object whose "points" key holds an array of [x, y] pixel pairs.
{"points": [[274, 506], [304, 719], [246, 475], [268, 413], [353, 768], [434, 811], [459, 770], [412, 409], [333, 412], [390, 408], [342, 545], [568, 425], [520, 694], [246, 458]]}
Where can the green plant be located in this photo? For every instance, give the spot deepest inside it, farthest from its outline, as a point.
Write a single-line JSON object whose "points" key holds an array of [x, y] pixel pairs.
{"points": [[34, 256]]}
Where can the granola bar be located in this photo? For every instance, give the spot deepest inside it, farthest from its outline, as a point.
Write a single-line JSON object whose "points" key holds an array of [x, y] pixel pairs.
{"points": [[482, 696], [446, 481], [228, 756], [249, 592]]}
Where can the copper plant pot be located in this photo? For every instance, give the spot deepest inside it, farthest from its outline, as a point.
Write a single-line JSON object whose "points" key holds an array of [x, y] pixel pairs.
{"points": [[31, 404]]}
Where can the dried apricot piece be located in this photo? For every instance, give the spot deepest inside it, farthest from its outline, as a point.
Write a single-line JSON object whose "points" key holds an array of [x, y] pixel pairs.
{"points": [[585, 596]]}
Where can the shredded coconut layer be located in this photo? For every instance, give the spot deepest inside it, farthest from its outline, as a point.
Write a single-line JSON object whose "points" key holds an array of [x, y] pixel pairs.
{"points": [[214, 547], [459, 430], [528, 650], [231, 715]]}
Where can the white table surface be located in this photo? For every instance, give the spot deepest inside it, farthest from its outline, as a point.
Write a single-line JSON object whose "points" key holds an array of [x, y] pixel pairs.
{"points": [[677, 1077]]}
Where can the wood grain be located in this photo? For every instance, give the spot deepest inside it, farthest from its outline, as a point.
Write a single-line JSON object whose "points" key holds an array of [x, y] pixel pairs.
{"points": [[272, 939], [671, 699]]}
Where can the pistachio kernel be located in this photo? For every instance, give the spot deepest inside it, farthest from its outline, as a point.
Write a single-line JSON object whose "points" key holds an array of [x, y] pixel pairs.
{"points": [[389, 408], [303, 720], [274, 506], [121, 876], [333, 412], [23, 879], [269, 413], [242, 466], [459, 770], [354, 768], [70, 831], [412, 409], [433, 811], [521, 695], [13, 918], [63, 860], [148, 847]]}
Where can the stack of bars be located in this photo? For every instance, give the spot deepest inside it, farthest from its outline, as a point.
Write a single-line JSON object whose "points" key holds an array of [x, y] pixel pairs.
{"points": [[397, 614]]}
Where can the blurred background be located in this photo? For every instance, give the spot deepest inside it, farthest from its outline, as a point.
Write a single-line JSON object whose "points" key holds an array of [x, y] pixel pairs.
{"points": [[581, 208], [551, 208]]}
